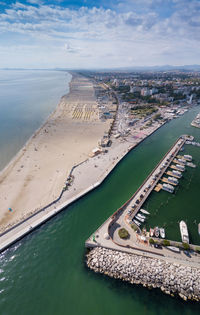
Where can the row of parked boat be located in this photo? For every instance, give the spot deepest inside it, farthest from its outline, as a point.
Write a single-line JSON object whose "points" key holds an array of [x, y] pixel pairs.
{"points": [[177, 170], [139, 218], [157, 232], [197, 144]]}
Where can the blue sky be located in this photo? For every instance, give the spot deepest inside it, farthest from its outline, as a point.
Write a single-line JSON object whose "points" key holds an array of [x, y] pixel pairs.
{"points": [[99, 34]]}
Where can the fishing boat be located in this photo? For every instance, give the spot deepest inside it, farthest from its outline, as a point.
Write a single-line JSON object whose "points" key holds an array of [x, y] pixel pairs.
{"points": [[162, 232], [173, 248], [184, 232], [144, 211], [156, 231]]}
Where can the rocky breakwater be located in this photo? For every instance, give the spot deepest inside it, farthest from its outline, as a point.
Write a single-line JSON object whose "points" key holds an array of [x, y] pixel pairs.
{"points": [[171, 278]]}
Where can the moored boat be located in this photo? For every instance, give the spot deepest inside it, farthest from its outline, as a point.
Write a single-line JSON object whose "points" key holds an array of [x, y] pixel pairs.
{"points": [[151, 232], [173, 180], [144, 211], [199, 228], [184, 232], [139, 219], [188, 157], [136, 222], [162, 232], [141, 216], [177, 173], [180, 167], [156, 231], [168, 188], [173, 248]]}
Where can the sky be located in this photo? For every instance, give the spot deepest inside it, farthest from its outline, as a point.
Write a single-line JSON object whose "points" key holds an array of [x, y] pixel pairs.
{"points": [[99, 34]]}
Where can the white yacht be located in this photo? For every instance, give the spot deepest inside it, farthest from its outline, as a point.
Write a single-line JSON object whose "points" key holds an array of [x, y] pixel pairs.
{"points": [[184, 232], [139, 219], [144, 211], [180, 167], [168, 187], [162, 232], [173, 180], [177, 173]]}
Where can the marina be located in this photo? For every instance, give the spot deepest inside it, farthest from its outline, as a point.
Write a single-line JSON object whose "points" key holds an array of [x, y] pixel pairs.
{"points": [[28, 262], [131, 211]]}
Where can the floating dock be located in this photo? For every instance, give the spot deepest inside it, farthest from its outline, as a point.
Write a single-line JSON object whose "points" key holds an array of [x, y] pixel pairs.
{"points": [[158, 187]]}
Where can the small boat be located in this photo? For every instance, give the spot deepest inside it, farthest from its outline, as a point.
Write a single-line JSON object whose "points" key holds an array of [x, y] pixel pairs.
{"points": [[156, 231], [141, 216], [144, 211], [136, 222], [162, 232], [139, 219], [191, 164], [173, 248], [151, 232], [199, 228], [168, 187]]}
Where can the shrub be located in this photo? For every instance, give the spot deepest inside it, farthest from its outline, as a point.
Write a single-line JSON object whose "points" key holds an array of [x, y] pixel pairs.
{"points": [[186, 246], [134, 227], [166, 243], [151, 241], [123, 233]]}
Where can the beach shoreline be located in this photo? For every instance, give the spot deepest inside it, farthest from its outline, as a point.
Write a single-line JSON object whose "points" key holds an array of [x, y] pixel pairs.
{"points": [[54, 145], [79, 188]]}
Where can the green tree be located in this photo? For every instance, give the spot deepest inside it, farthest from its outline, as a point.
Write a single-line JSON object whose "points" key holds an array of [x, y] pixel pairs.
{"points": [[166, 243], [123, 233]]}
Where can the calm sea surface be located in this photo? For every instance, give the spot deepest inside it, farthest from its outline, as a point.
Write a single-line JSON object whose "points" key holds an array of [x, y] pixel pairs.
{"points": [[45, 272], [26, 100]]}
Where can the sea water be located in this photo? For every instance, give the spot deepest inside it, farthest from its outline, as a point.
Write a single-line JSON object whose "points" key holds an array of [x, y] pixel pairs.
{"points": [[45, 272], [27, 97]]}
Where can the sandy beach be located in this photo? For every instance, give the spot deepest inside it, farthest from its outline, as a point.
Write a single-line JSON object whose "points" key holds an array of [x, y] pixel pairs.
{"points": [[36, 176]]}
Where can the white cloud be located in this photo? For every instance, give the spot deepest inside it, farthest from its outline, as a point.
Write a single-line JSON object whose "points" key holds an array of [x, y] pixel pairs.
{"points": [[96, 36]]}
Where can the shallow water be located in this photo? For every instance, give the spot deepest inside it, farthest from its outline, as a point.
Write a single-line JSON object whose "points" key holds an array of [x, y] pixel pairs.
{"points": [[45, 272]]}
